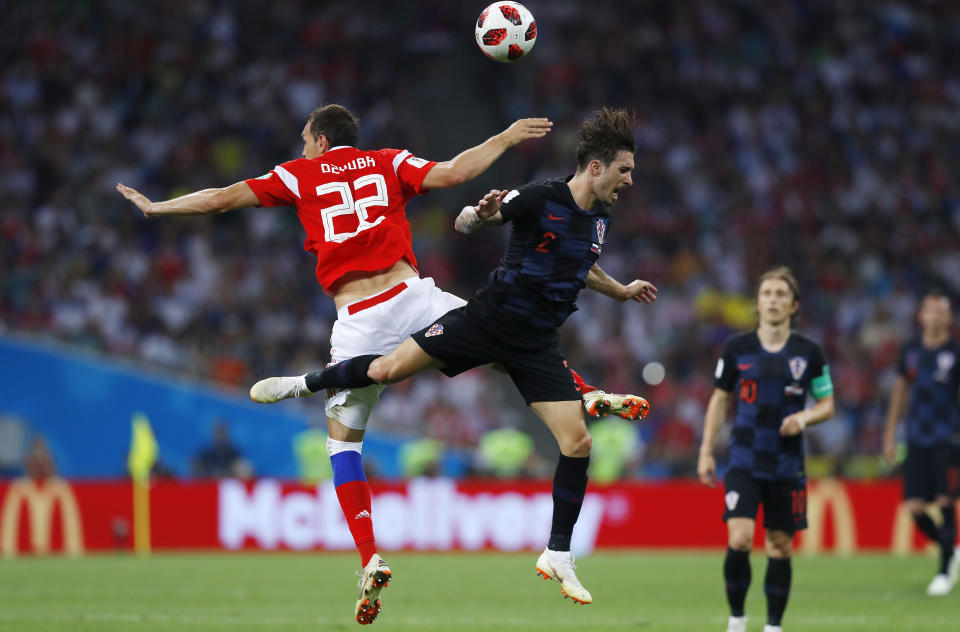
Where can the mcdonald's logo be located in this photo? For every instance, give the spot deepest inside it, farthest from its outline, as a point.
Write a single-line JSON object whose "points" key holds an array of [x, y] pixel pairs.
{"points": [[40, 501], [830, 493]]}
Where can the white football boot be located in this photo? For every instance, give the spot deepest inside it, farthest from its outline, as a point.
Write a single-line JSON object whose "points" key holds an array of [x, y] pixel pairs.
{"points": [[600, 404], [940, 586], [943, 583], [375, 577], [559, 565], [772, 628], [273, 389], [737, 624]]}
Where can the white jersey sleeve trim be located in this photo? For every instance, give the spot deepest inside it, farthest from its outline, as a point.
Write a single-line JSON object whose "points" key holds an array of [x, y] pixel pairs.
{"points": [[398, 159], [288, 179]]}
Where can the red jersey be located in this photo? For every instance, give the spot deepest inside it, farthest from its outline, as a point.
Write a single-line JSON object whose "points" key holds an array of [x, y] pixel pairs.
{"points": [[352, 204]]}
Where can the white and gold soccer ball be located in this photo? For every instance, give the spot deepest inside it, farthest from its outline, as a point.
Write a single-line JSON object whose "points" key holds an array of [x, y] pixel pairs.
{"points": [[506, 31]]}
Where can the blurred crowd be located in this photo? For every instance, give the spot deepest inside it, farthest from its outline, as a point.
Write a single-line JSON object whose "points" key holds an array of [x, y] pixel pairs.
{"points": [[820, 134]]}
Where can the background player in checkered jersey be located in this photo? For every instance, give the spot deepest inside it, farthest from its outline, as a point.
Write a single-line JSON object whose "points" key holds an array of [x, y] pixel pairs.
{"points": [[770, 372], [558, 230], [928, 370], [351, 203]]}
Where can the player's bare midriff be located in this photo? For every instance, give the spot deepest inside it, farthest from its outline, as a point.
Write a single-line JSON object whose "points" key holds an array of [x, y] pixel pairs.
{"points": [[357, 285]]}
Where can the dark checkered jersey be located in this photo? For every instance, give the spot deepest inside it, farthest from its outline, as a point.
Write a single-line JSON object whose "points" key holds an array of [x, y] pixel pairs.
{"points": [[768, 387], [553, 244], [934, 379]]}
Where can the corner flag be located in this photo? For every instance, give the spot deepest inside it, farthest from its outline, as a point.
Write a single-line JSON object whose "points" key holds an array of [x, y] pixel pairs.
{"points": [[143, 448], [142, 456]]}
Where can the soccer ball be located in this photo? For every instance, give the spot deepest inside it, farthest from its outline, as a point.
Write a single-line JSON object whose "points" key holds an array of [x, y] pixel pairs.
{"points": [[506, 31]]}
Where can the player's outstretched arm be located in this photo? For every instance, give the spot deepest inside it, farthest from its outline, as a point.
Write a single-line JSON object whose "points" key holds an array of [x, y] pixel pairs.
{"points": [[640, 291], [485, 213], [794, 424], [205, 202], [469, 164], [714, 418]]}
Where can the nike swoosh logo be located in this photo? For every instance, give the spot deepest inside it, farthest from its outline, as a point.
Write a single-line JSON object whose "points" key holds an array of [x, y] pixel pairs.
{"points": [[554, 217], [744, 367]]}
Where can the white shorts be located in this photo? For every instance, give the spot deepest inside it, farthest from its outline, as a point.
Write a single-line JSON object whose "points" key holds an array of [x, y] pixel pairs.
{"points": [[377, 326]]}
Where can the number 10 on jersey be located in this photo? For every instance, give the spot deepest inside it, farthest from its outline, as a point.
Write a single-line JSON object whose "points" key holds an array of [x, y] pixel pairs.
{"points": [[349, 205]]}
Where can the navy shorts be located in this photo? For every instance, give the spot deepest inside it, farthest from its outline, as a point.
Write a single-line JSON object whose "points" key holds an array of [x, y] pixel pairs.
{"points": [[471, 336], [784, 501], [932, 471]]}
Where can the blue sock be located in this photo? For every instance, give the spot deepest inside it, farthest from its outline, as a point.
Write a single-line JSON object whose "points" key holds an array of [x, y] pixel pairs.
{"points": [[736, 577], [927, 526], [347, 467], [350, 373], [569, 487], [777, 587], [948, 537]]}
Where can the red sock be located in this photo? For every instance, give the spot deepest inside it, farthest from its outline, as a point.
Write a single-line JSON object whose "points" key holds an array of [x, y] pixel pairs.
{"points": [[584, 387], [355, 503]]}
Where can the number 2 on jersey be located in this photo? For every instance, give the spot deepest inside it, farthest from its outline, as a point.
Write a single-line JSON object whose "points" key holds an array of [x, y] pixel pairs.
{"points": [[348, 205], [545, 244]]}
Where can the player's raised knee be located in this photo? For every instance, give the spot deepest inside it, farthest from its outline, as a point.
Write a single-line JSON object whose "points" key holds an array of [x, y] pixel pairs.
{"points": [[578, 444]]}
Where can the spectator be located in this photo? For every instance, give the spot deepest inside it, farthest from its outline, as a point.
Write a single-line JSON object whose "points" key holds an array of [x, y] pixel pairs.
{"points": [[221, 458], [39, 465]]}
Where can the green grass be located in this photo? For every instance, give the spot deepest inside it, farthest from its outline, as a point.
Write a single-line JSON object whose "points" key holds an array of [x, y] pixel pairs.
{"points": [[481, 591]]}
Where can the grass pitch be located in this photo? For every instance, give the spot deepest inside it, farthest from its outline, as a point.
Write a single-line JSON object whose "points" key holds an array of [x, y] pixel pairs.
{"points": [[479, 591]]}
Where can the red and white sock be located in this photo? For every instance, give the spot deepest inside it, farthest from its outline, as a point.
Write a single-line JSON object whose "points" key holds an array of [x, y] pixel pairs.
{"points": [[353, 491]]}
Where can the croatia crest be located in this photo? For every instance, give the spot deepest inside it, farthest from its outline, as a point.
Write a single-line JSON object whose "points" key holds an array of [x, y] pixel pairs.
{"points": [[435, 330], [601, 230], [797, 366], [945, 362], [597, 246], [732, 498]]}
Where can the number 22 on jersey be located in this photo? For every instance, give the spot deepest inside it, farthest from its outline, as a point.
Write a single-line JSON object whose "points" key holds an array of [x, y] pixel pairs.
{"points": [[350, 205]]}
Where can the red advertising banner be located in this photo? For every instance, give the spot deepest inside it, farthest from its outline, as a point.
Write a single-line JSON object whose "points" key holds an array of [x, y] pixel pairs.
{"points": [[425, 514]]}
